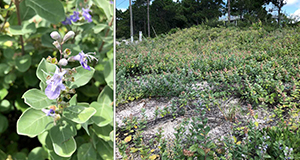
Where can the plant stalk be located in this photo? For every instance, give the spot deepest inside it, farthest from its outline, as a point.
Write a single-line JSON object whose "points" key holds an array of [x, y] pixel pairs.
{"points": [[6, 16], [19, 23]]}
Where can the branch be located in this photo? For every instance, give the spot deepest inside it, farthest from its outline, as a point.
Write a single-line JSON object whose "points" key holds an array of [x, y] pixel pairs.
{"points": [[19, 23], [106, 34], [6, 16]]}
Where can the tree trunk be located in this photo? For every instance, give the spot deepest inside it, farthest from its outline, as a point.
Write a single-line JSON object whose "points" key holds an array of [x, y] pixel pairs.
{"points": [[148, 17]]}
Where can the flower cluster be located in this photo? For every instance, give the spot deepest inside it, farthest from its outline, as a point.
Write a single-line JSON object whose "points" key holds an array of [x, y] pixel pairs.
{"points": [[55, 85], [75, 17], [55, 82], [83, 59], [287, 152]]}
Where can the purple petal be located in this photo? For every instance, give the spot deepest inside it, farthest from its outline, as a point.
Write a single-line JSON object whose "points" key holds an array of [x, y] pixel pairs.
{"points": [[86, 15], [75, 16], [52, 94], [84, 65], [67, 21]]}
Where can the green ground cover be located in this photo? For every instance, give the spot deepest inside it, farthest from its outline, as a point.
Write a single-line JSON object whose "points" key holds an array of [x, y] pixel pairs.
{"points": [[259, 67]]}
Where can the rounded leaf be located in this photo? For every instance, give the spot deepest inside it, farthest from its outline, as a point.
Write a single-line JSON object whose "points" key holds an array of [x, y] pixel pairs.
{"points": [[82, 77], [37, 99], [3, 123], [86, 152], [63, 141], [79, 114], [109, 74], [44, 69], [53, 11], [104, 114], [38, 153], [33, 122], [23, 63]]}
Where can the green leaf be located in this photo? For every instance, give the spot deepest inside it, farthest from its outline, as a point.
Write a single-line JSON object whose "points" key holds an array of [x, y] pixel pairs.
{"points": [[63, 141], [43, 69], [3, 93], [3, 123], [47, 40], [90, 90], [23, 63], [26, 13], [106, 6], [10, 78], [104, 114], [30, 78], [5, 38], [3, 67], [53, 11], [73, 100], [38, 153], [54, 156], [98, 28], [2, 155], [42, 85], [42, 138], [4, 105], [82, 77], [103, 132], [106, 96], [8, 53], [79, 114], [25, 28], [86, 152], [20, 105], [104, 150], [37, 99], [19, 156], [33, 122], [109, 74], [85, 127]]}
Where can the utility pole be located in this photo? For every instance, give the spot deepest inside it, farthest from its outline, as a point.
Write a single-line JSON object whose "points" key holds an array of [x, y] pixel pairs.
{"points": [[131, 25], [148, 18], [228, 5]]}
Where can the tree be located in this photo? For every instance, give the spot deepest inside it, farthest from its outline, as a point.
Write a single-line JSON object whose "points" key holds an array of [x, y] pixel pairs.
{"points": [[123, 24], [199, 11], [278, 5]]}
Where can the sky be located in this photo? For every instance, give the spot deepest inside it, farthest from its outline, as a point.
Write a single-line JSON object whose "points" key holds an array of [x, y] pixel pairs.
{"points": [[292, 8]]}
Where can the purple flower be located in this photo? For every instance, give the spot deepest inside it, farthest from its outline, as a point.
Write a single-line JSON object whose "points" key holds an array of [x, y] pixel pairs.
{"points": [[54, 84], [83, 59], [67, 21], [86, 14], [75, 16], [49, 112]]}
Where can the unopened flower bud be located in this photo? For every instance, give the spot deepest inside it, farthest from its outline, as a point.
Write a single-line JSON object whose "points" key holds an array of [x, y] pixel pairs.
{"points": [[49, 59], [57, 117], [63, 62], [67, 52], [53, 60], [57, 45], [68, 96], [56, 36], [69, 35]]}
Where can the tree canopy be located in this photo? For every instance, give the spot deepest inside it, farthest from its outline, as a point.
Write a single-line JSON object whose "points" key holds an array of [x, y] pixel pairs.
{"points": [[168, 14]]}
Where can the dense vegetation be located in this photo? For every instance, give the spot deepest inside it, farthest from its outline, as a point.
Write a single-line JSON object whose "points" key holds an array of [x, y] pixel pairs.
{"points": [[260, 67], [166, 15]]}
